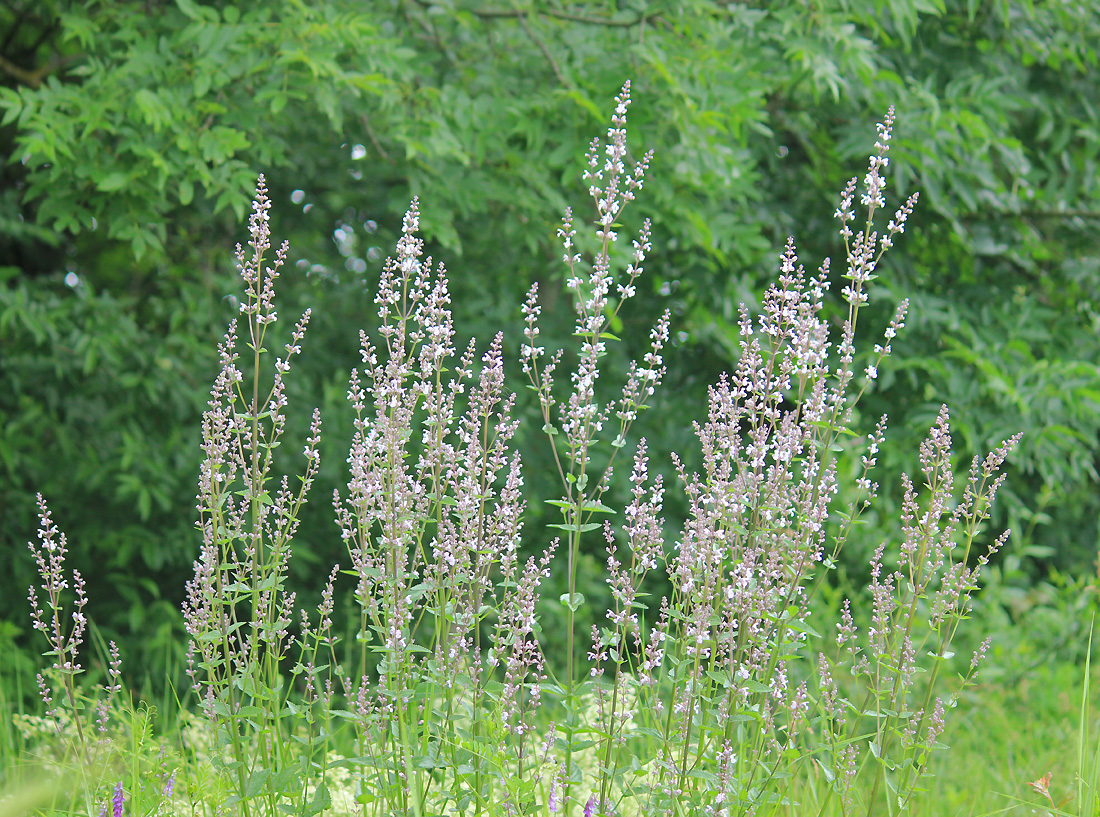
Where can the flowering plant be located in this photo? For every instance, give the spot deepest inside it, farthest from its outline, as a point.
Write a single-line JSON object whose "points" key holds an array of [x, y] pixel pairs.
{"points": [[719, 699]]}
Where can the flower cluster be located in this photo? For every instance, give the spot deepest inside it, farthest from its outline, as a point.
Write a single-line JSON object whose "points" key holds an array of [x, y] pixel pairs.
{"points": [[708, 702]]}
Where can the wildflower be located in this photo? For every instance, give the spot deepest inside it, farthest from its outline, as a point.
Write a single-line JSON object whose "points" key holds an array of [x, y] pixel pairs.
{"points": [[979, 653], [166, 792], [1042, 786], [119, 801]]}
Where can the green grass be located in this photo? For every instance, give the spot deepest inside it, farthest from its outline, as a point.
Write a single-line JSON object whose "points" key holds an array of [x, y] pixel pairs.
{"points": [[1001, 737]]}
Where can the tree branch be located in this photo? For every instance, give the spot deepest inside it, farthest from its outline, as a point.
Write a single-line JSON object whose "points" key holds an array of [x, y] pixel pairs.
{"points": [[12, 31], [365, 122], [33, 79], [47, 32], [489, 14], [545, 52], [565, 15]]}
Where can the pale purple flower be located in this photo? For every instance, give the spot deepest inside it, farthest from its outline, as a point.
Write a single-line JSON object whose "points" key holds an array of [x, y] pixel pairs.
{"points": [[979, 653]]}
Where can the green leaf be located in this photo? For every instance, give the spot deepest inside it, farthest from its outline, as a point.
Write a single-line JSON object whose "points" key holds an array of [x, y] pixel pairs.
{"points": [[190, 9], [802, 627], [12, 105], [572, 528], [321, 801], [113, 181], [152, 110], [255, 783], [720, 677], [585, 103], [572, 603], [201, 84]]}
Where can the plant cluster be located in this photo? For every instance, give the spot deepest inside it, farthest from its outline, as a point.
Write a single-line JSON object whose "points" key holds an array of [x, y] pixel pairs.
{"points": [[756, 117], [721, 698]]}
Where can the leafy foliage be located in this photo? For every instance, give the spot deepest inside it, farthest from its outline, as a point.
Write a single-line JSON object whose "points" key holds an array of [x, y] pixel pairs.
{"points": [[131, 124]]}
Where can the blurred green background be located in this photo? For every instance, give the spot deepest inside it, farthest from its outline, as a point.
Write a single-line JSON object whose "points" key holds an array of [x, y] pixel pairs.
{"points": [[134, 132]]}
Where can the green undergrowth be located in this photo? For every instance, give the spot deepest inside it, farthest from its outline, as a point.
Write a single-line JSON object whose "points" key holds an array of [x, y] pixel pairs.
{"points": [[1001, 738]]}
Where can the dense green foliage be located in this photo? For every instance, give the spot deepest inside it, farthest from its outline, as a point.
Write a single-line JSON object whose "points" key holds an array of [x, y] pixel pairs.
{"points": [[136, 130]]}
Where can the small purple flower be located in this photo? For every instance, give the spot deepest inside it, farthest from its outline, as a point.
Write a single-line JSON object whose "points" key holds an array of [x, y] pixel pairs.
{"points": [[119, 800], [590, 806], [553, 800], [166, 792]]}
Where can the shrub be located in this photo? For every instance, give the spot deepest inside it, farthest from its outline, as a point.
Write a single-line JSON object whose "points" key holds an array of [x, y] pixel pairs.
{"points": [[721, 698]]}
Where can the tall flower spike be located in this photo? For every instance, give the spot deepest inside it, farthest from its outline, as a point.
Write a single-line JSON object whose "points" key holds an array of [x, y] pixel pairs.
{"points": [[118, 802]]}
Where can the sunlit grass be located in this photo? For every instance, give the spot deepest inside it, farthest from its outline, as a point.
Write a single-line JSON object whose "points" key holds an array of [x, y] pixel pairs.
{"points": [[1004, 736]]}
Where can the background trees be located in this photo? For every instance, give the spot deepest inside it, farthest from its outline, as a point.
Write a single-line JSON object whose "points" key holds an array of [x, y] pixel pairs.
{"points": [[135, 131]]}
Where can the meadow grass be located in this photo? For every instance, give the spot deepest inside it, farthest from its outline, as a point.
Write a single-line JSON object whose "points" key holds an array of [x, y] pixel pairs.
{"points": [[1004, 736], [738, 692]]}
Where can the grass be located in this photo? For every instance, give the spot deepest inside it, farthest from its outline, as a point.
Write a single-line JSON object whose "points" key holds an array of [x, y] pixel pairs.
{"points": [[1004, 737], [1001, 738]]}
